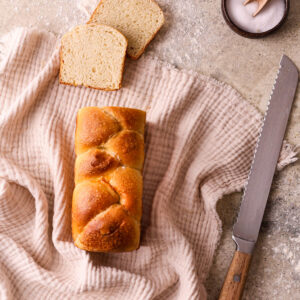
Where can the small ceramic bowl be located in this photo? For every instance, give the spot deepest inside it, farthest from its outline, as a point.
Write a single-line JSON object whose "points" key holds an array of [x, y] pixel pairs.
{"points": [[252, 35]]}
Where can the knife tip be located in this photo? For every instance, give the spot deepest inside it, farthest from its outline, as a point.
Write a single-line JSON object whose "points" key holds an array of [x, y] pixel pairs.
{"points": [[285, 60]]}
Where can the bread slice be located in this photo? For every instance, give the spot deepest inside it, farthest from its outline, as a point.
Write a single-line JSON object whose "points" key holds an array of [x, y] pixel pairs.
{"points": [[138, 20], [93, 55]]}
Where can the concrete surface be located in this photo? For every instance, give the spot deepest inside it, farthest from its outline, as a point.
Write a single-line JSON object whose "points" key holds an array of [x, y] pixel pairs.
{"points": [[196, 37]]}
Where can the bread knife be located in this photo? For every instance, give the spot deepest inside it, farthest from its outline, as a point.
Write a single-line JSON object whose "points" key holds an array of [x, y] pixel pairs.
{"points": [[247, 226]]}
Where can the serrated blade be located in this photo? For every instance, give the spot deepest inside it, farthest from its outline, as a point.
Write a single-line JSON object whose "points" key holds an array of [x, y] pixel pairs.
{"points": [[266, 155]]}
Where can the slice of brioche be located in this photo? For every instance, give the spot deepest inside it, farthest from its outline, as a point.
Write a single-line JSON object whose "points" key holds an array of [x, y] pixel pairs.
{"points": [[138, 20], [93, 55]]}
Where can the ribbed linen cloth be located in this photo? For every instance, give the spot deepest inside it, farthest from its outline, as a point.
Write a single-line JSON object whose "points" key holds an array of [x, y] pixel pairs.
{"points": [[200, 138]]}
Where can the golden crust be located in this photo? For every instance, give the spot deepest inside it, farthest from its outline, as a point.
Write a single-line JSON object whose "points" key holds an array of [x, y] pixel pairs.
{"points": [[129, 146], [128, 183], [92, 87], [131, 119], [93, 128], [90, 198], [111, 231], [107, 199], [94, 163]]}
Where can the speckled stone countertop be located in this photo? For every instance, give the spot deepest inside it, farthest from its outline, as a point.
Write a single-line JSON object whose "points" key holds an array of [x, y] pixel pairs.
{"points": [[196, 37]]}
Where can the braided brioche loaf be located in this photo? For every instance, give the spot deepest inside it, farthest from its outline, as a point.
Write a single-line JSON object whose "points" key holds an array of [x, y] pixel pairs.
{"points": [[107, 199]]}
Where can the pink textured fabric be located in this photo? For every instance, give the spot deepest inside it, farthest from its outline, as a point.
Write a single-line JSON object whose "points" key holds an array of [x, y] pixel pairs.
{"points": [[200, 138]]}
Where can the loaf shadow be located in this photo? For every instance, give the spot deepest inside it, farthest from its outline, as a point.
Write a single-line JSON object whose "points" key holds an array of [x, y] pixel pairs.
{"points": [[161, 139], [153, 172]]}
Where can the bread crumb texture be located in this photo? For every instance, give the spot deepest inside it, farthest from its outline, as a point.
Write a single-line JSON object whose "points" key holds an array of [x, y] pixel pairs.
{"points": [[93, 55], [138, 20]]}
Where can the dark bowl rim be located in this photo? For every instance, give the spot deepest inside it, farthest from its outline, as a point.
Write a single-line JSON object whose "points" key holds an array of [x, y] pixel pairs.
{"points": [[252, 35]]}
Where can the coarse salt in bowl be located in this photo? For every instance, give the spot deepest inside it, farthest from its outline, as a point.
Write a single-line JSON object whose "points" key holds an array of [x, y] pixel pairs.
{"points": [[240, 17]]}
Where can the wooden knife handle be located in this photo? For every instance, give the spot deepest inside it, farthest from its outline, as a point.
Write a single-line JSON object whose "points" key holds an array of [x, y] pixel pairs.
{"points": [[236, 277]]}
